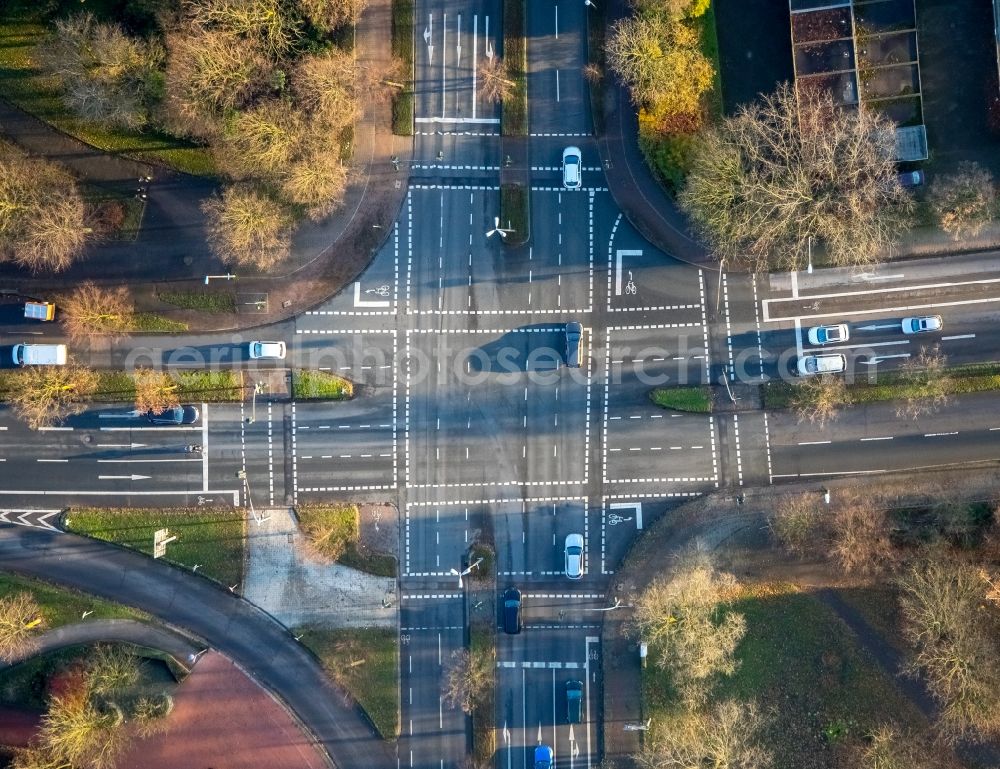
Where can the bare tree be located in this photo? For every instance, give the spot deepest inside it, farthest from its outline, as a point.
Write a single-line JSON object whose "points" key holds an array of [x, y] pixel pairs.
{"points": [[91, 310], [469, 675], [797, 523], [41, 214], [964, 201], [326, 86], [787, 168], [107, 76], [820, 398], [660, 62], [330, 14], [269, 25], [44, 395], [155, 390], [76, 731], [496, 83], [727, 737], [317, 181], [210, 73], [247, 227], [672, 9], [688, 623], [860, 539], [928, 385], [891, 748], [941, 600], [260, 142], [20, 619]]}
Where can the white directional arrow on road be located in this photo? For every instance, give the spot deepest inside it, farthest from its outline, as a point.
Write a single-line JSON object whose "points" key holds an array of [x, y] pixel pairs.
{"points": [[120, 445], [880, 358], [539, 732], [124, 477], [458, 45], [877, 326], [506, 733]]}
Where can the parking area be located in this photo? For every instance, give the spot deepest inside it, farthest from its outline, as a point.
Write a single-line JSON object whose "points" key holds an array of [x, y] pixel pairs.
{"points": [[495, 408]]}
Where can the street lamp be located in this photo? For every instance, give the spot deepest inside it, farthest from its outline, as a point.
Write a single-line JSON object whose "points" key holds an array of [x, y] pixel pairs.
{"points": [[258, 387], [615, 605], [461, 574], [809, 246], [242, 475]]}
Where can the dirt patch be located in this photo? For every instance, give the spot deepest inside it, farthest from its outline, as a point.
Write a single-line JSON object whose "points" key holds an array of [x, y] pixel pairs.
{"points": [[223, 720]]}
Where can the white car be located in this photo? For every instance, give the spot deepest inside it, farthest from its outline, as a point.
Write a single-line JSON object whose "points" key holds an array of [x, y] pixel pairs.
{"points": [[922, 325], [267, 350], [574, 556], [829, 334], [572, 168], [808, 365]]}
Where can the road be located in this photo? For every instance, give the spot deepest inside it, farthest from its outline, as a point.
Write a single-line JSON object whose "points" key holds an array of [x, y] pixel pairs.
{"points": [[469, 420]]}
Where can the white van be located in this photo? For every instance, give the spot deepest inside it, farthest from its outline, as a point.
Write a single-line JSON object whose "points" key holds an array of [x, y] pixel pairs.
{"points": [[39, 355]]}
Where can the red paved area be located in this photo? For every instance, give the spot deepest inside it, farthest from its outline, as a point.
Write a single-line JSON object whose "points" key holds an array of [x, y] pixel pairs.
{"points": [[223, 720], [17, 726]]}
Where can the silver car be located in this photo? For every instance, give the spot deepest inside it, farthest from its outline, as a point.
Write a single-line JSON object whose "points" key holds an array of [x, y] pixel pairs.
{"points": [[574, 556], [829, 334], [922, 325]]}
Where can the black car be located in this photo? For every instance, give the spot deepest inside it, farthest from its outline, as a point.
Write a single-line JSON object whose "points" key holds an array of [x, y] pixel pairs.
{"points": [[178, 415], [574, 701], [512, 610]]}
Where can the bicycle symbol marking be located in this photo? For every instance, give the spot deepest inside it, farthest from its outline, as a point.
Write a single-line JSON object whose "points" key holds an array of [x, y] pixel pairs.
{"points": [[614, 519], [593, 654], [380, 291], [630, 287], [405, 639]]}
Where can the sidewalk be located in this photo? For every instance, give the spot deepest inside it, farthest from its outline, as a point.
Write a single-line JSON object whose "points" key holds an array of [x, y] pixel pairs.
{"points": [[171, 246]]}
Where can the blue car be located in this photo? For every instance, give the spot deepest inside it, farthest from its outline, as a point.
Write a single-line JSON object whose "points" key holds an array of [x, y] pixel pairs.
{"points": [[543, 757]]}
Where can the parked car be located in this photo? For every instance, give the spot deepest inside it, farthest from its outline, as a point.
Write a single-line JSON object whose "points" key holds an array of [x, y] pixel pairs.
{"points": [[829, 334], [512, 610], [574, 556], [572, 168], [808, 365], [179, 415], [922, 325], [573, 333], [911, 178], [267, 350], [574, 701], [543, 757]]}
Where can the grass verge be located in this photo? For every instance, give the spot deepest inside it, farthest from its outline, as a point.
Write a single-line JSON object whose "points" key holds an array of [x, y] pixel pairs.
{"points": [[212, 539], [328, 529], [63, 606], [484, 745], [893, 385], [365, 662], [695, 399], [205, 301], [23, 84], [804, 668], [150, 321], [596, 57], [320, 385], [514, 213], [514, 117], [402, 49]]}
